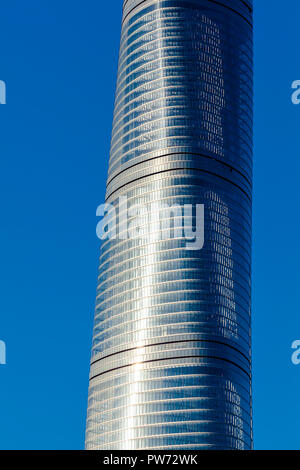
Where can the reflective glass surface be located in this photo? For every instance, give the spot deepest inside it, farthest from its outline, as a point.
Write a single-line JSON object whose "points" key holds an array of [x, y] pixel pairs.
{"points": [[171, 353]]}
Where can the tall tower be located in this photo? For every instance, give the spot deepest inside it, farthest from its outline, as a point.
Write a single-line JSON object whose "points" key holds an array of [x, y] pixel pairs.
{"points": [[171, 354]]}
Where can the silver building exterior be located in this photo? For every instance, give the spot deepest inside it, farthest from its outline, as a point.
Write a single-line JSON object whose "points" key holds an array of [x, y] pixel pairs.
{"points": [[171, 354]]}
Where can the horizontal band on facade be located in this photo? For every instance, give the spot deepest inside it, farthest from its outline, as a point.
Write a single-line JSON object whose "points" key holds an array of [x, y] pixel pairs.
{"points": [[247, 3], [145, 443], [171, 342], [130, 165], [171, 358], [246, 433], [127, 9], [145, 407], [187, 402], [167, 435], [183, 168]]}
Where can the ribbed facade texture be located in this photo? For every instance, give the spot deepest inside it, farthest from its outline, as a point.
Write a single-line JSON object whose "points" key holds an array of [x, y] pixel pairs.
{"points": [[171, 354]]}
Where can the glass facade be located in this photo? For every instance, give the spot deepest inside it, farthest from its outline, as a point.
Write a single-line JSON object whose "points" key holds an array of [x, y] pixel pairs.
{"points": [[171, 354]]}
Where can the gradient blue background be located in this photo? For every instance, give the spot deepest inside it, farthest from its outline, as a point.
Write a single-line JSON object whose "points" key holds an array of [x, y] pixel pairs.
{"points": [[59, 60]]}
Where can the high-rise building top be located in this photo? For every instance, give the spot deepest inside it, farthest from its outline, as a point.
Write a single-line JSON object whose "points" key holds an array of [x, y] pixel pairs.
{"points": [[243, 7], [171, 355]]}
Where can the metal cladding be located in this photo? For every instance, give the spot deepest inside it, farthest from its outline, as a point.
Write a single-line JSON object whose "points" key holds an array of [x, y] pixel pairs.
{"points": [[171, 355]]}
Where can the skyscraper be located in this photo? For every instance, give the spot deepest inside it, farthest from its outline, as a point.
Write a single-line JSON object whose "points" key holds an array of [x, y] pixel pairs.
{"points": [[171, 354]]}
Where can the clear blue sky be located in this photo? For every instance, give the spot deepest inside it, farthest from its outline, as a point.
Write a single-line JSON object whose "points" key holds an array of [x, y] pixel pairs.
{"points": [[59, 60]]}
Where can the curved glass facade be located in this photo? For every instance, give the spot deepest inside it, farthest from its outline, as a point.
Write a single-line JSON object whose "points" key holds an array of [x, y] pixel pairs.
{"points": [[171, 354]]}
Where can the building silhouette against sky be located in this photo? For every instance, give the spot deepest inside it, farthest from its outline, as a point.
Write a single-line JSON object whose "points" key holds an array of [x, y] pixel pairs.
{"points": [[171, 354]]}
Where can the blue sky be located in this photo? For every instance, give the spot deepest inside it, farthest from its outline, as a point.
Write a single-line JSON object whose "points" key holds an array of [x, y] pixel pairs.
{"points": [[59, 61]]}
